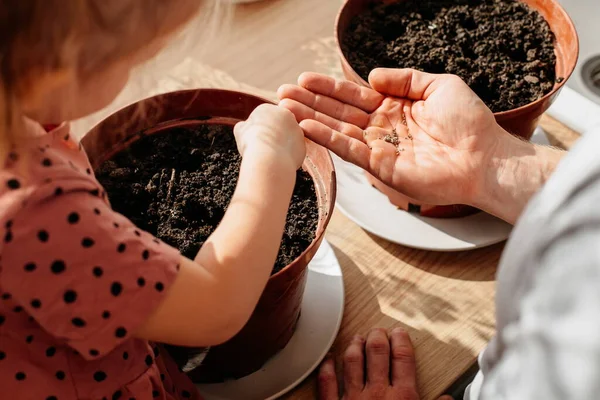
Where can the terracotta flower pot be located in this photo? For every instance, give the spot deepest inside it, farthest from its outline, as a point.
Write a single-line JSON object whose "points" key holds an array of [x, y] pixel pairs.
{"points": [[520, 121], [274, 320]]}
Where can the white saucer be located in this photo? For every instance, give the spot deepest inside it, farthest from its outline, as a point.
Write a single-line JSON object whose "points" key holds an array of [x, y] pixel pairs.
{"points": [[372, 211], [322, 310]]}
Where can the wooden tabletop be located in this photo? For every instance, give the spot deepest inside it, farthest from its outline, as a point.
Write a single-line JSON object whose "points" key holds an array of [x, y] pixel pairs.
{"points": [[445, 300]]}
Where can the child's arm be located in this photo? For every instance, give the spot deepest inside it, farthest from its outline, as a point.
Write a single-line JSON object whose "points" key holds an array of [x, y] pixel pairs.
{"points": [[213, 296], [90, 278]]}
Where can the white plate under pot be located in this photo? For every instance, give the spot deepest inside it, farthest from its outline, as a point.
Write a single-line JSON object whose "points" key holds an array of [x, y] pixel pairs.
{"points": [[318, 326]]}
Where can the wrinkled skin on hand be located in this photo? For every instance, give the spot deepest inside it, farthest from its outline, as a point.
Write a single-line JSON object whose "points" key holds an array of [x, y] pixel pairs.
{"points": [[380, 367]]}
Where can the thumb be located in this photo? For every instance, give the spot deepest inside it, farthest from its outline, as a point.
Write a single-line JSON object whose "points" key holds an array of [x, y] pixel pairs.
{"points": [[421, 113], [404, 83], [238, 133]]}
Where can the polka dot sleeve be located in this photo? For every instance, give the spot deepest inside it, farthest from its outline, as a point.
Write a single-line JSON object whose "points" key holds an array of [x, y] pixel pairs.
{"points": [[86, 274]]}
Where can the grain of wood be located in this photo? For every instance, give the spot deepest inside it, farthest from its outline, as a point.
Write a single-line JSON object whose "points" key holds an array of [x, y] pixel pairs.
{"points": [[444, 300], [558, 134]]}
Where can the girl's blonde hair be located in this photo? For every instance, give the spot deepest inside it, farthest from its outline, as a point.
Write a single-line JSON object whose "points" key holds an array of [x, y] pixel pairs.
{"points": [[42, 38]]}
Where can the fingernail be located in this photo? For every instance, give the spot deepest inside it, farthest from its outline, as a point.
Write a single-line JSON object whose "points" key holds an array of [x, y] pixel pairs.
{"points": [[358, 338], [399, 330], [327, 367]]}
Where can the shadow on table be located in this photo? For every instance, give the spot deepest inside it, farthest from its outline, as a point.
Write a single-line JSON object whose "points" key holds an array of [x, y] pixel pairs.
{"points": [[461, 265], [439, 363]]}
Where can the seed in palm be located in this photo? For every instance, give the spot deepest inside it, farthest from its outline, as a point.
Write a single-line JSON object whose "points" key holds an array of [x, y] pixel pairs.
{"points": [[392, 137]]}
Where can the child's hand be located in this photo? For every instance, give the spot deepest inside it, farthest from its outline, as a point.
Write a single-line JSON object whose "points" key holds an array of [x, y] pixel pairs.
{"points": [[213, 297], [272, 132]]}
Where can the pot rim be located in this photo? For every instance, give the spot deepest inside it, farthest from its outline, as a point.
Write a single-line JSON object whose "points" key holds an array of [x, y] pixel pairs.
{"points": [[323, 219], [557, 86]]}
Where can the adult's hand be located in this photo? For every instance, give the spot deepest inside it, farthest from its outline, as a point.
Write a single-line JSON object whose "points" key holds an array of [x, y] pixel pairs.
{"points": [[389, 372], [450, 149], [446, 134]]}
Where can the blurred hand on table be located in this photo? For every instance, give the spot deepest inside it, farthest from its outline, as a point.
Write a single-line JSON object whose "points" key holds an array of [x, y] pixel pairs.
{"points": [[380, 367]]}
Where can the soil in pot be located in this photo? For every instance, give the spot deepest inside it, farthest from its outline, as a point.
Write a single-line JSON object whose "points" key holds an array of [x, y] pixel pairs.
{"points": [[178, 184], [502, 48]]}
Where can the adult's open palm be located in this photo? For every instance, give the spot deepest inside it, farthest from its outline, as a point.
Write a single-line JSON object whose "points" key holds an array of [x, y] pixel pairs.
{"points": [[427, 136]]}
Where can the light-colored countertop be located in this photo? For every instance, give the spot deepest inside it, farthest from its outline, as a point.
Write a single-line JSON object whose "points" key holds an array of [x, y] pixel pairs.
{"points": [[445, 300]]}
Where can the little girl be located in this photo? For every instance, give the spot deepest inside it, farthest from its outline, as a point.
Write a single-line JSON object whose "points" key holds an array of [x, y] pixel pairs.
{"points": [[84, 294]]}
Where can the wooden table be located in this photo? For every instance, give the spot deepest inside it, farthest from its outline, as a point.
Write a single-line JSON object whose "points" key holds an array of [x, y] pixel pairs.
{"points": [[445, 300]]}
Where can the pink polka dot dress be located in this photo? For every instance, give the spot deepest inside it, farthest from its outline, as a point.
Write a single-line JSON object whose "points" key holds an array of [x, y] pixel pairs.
{"points": [[76, 281]]}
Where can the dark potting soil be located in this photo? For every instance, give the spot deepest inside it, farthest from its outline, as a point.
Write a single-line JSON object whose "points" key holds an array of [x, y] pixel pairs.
{"points": [[502, 48], [177, 186]]}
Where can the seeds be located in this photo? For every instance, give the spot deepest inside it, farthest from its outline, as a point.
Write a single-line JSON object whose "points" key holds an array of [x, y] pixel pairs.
{"points": [[393, 139]]}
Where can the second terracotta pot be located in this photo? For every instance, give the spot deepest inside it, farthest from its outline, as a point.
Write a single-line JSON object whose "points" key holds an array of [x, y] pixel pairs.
{"points": [[273, 322], [520, 121]]}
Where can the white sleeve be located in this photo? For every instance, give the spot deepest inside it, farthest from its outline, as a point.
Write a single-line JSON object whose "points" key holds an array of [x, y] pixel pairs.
{"points": [[553, 350]]}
